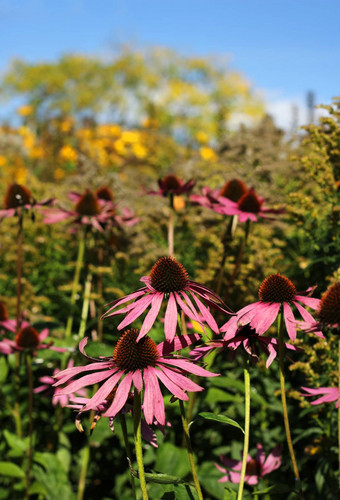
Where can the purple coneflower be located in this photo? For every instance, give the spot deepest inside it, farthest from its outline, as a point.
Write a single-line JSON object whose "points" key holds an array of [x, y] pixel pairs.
{"points": [[256, 468], [328, 312], [47, 387], [328, 394], [248, 207], [18, 198], [138, 363], [275, 290], [91, 210], [28, 338], [5, 322], [232, 190], [251, 342], [172, 185], [168, 280]]}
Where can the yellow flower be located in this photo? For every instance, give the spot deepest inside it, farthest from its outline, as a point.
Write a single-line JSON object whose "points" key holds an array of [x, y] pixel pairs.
{"points": [[3, 160], [37, 152], [25, 110], [20, 175], [179, 203], [66, 125], [139, 150], [202, 137], [130, 136], [67, 153], [119, 146], [58, 174], [208, 154]]}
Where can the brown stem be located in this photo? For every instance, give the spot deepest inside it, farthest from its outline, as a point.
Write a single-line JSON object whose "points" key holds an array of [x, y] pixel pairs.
{"points": [[30, 413], [19, 272]]}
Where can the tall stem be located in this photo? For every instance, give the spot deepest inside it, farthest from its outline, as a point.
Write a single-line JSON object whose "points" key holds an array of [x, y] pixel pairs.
{"points": [[339, 409], [171, 232], [86, 303], [19, 272], [30, 413], [246, 428], [239, 260], [284, 402], [226, 238], [128, 452], [190, 452], [79, 263], [137, 407], [83, 470]]}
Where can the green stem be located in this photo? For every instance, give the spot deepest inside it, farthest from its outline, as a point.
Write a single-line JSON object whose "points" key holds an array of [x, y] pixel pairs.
{"points": [[83, 470], [239, 260], [226, 239], [19, 272], [284, 402], [246, 429], [79, 263], [86, 303], [190, 452], [171, 232], [137, 407], [30, 413], [339, 409], [128, 452]]}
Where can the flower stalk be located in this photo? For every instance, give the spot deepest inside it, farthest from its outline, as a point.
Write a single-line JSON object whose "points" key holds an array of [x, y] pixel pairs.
{"points": [[239, 259], [284, 402], [137, 409], [246, 428], [30, 414], [79, 264], [190, 452], [171, 226], [83, 470], [128, 452], [86, 304]]}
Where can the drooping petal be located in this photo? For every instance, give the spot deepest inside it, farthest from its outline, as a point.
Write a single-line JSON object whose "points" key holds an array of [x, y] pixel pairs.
{"points": [[91, 379], [170, 320], [273, 461], [121, 396], [100, 396], [139, 308], [309, 319], [181, 342], [187, 311], [265, 317], [260, 454], [171, 386], [158, 397], [149, 397], [308, 301], [207, 316], [137, 380], [189, 367], [65, 375], [289, 321], [182, 381], [150, 318], [127, 298]]}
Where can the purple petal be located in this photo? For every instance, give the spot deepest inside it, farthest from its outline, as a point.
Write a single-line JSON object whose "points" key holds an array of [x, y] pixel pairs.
{"points": [[149, 397], [148, 434], [81, 346], [91, 379], [137, 380], [127, 298], [181, 380], [100, 396], [273, 461], [206, 315], [186, 309], [150, 318], [64, 375], [171, 386], [308, 301], [139, 308], [121, 396], [158, 397], [170, 320], [289, 321], [166, 347], [189, 367], [265, 317]]}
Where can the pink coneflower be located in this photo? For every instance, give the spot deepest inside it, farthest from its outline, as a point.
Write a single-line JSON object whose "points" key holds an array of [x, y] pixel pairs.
{"points": [[91, 210], [256, 468], [47, 387], [18, 198], [5, 322], [168, 280], [138, 363], [328, 394], [232, 190], [275, 290], [328, 312], [172, 185], [28, 338], [248, 207], [249, 340], [79, 403]]}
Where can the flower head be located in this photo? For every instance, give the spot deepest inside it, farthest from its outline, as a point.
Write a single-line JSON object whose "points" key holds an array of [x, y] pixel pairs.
{"points": [[28, 338], [275, 291], [18, 199], [327, 395], [136, 363], [214, 198], [172, 185], [246, 338], [5, 322], [92, 209], [328, 313], [168, 280], [256, 468]]}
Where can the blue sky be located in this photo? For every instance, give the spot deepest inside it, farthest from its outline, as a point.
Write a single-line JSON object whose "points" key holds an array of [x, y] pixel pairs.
{"points": [[284, 47]]}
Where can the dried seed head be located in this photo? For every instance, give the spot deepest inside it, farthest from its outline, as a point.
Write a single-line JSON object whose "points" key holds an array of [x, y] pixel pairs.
{"points": [[27, 337], [250, 202], [168, 275], [104, 193], [17, 196], [130, 355], [88, 204], [329, 309], [277, 288], [233, 189]]}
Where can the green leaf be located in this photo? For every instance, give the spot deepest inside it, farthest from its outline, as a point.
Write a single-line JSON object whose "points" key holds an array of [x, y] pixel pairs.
{"points": [[222, 419], [17, 444], [185, 492], [215, 395], [11, 470], [173, 460], [3, 369]]}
